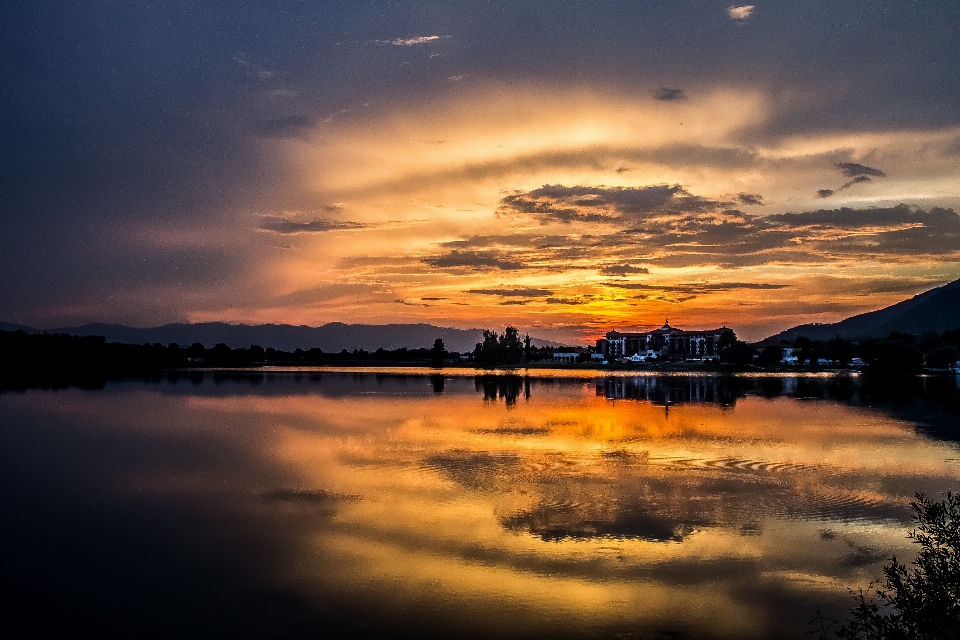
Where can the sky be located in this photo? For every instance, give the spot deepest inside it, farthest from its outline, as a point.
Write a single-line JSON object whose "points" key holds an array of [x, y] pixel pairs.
{"points": [[568, 168]]}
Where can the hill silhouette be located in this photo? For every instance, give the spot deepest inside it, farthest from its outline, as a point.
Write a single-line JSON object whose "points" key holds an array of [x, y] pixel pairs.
{"points": [[331, 337], [936, 310]]}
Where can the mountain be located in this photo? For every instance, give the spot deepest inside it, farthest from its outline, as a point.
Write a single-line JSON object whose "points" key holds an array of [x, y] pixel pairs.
{"points": [[9, 326], [935, 310], [330, 337]]}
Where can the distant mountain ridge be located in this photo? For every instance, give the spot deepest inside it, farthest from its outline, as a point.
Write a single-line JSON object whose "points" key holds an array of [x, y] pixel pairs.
{"points": [[936, 310], [333, 336]]}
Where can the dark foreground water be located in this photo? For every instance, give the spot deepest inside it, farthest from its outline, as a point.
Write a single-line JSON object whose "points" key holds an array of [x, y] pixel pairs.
{"points": [[342, 503]]}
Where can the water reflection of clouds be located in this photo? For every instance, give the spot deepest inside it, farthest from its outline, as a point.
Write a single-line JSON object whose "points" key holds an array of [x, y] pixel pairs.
{"points": [[562, 503]]}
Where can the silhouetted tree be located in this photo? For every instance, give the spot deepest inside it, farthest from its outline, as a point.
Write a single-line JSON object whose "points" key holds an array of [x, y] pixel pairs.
{"points": [[942, 356], [486, 351], [840, 351], [510, 349], [805, 346], [770, 356], [437, 353], [732, 350]]}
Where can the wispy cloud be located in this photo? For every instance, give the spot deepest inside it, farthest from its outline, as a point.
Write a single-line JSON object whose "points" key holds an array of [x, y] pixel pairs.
{"points": [[623, 270], [741, 13], [852, 169], [697, 288], [475, 260], [858, 173], [409, 42], [750, 199], [670, 227], [276, 224], [603, 204], [519, 292]]}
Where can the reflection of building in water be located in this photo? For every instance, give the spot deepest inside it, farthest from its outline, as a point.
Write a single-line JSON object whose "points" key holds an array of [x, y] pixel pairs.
{"points": [[663, 390], [665, 342]]}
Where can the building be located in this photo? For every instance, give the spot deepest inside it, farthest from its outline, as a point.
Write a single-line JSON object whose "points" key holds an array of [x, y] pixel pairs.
{"points": [[667, 343]]}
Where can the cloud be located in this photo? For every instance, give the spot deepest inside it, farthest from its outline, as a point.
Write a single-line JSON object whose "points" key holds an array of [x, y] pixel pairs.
{"points": [[514, 302], [434, 298], [519, 292], [277, 224], [669, 227], [409, 42], [750, 199], [852, 169], [857, 180], [741, 13], [697, 288], [859, 173], [623, 269], [603, 204], [567, 301], [665, 94], [474, 259]]}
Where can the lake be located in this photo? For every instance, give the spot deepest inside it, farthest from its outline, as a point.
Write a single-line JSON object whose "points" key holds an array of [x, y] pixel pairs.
{"points": [[454, 503]]}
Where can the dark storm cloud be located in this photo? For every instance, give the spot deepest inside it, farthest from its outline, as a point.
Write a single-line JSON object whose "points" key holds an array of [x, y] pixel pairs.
{"points": [[319, 225], [664, 94], [474, 259]]}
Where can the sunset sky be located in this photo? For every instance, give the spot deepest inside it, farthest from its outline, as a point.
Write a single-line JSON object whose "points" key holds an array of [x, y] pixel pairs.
{"points": [[565, 167]]}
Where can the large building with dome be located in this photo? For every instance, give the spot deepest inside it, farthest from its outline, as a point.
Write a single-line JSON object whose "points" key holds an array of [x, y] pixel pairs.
{"points": [[668, 343]]}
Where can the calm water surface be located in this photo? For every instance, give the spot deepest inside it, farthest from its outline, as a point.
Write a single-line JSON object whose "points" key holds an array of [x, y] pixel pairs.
{"points": [[339, 503]]}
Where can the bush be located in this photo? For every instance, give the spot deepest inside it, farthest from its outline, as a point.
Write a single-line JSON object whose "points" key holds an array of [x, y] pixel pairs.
{"points": [[920, 600]]}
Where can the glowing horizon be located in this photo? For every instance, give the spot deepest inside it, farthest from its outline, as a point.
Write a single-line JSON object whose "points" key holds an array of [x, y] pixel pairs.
{"points": [[440, 174]]}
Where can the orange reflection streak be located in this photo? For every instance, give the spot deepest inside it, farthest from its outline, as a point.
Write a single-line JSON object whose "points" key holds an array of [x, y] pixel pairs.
{"points": [[565, 507], [502, 504]]}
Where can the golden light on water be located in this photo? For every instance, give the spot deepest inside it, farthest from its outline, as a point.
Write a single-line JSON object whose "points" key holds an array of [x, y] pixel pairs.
{"points": [[577, 504]]}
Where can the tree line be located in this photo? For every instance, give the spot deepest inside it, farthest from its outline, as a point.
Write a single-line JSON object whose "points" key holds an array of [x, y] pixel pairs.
{"points": [[897, 353], [26, 354]]}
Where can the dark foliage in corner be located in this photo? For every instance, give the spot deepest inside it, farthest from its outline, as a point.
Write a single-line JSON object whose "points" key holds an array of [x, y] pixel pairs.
{"points": [[919, 601]]}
